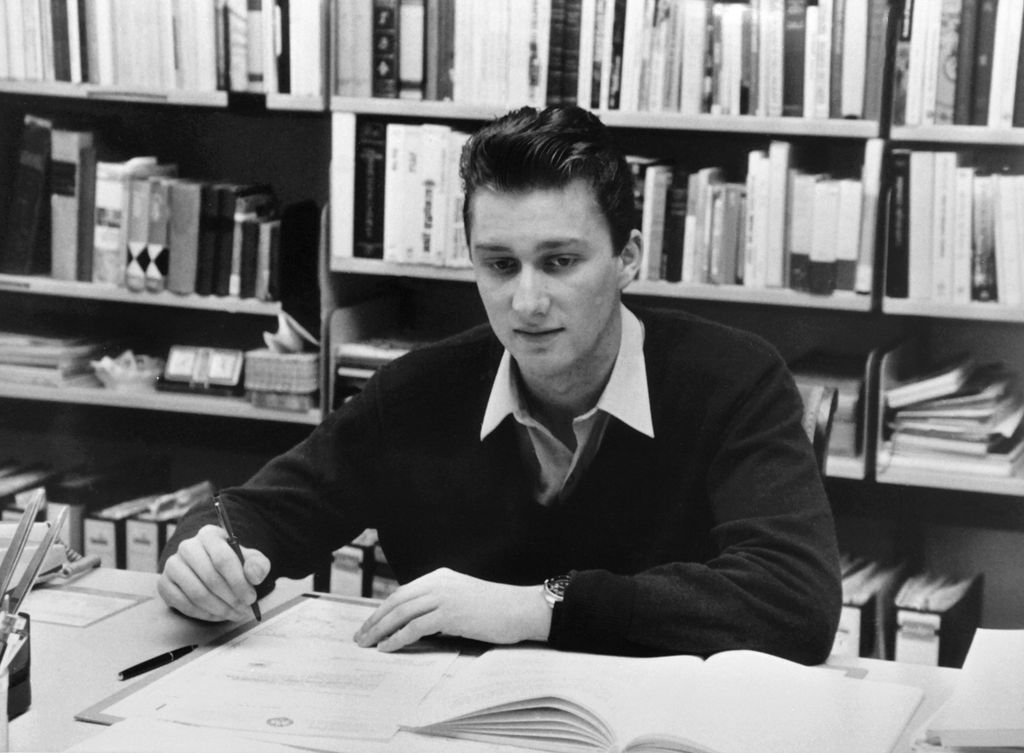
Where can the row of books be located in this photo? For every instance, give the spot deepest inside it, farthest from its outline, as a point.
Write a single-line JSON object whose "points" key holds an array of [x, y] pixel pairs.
{"points": [[958, 62], [921, 618], [407, 193], [262, 46], [783, 226], [766, 57], [955, 230], [959, 414], [135, 223]]}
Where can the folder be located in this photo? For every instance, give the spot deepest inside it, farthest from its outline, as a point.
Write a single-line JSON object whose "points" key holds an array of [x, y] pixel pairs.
{"points": [[936, 618], [103, 531]]}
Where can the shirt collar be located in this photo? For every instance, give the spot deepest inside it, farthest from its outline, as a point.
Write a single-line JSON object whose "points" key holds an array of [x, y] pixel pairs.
{"points": [[625, 396]]}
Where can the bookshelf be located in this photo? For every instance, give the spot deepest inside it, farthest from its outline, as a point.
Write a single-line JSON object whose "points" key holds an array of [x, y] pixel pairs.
{"points": [[285, 137]]}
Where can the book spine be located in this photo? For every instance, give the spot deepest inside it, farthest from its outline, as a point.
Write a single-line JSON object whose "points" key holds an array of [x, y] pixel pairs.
{"points": [[72, 183], [183, 236], [921, 207], [879, 44], [28, 223], [983, 259], [157, 246], [963, 200], [385, 48], [898, 236], [411, 39], [793, 57], [965, 59], [947, 75], [901, 63], [983, 48], [368, 208], [139, 191], [822, 270]]}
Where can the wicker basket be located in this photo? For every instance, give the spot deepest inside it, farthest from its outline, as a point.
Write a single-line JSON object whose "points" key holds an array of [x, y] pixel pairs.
{"points": [[282, 372]]}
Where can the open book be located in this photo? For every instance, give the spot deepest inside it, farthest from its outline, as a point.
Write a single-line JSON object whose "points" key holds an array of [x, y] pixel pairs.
{"points": [[733, 702]]}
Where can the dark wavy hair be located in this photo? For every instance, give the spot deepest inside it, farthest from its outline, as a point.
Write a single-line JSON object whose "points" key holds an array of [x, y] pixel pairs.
{"points": [[528, 149]]}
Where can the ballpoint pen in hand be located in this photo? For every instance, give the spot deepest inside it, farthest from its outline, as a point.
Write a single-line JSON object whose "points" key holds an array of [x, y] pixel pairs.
{"points": [[233, 543]]}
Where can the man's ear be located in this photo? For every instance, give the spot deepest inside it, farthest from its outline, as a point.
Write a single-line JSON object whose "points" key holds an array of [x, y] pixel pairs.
{"points": [[630, 258]]}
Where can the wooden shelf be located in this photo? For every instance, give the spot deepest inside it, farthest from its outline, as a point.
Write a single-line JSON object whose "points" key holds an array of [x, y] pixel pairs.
{"points": [[986, 312], [115, 93], [841, 300], [957, 135], [826, 128], [966, 482], [98, 292], [206, 405], [297, 102]]}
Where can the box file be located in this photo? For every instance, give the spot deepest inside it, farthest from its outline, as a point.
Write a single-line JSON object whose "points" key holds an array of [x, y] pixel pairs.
{"points": [[939, 636]]}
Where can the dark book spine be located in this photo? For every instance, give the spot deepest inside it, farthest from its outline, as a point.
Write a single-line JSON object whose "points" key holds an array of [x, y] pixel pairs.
{"points": [[615, 75], [571, 52], [385, 48], [1018, 93], [26, 232], [83, 36], [897, 242], [880, 26], [225, 229], [284, 67], [835, 87], [901, 63], [556, 52], [794, 39], [984, 43], [207, 251], [445, 47], [369, 199], [61, 42], [965, 53], [675, 230]]}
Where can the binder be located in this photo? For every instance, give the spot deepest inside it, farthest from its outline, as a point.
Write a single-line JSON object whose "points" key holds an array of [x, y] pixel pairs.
{"points": [[103, 532], [938, 635]]}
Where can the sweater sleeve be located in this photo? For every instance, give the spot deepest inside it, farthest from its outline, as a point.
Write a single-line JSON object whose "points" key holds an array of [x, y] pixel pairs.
{"points": [[305, 503], [771, 582]]}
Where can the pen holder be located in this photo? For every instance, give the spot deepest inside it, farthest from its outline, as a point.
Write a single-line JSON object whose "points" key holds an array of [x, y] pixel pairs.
{"points": [[19, 690]]}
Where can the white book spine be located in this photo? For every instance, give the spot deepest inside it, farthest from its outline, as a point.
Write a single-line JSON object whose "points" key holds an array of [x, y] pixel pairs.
{"points": [[823, 57], [584, 81], [1004, 63], [942, 226], [779, 162], [871, 179], [629, 94], [756, 236], [16, 58], [851, 195], [919, 276], [855, 43], [343, 158], [1008, 256], [695, 21], [963, 212], [810, 59], [930, 82]]}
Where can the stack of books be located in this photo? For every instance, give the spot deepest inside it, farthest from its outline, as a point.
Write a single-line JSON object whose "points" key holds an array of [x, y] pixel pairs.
{"points": [[962, 417], [846, 373], [54, 361]]}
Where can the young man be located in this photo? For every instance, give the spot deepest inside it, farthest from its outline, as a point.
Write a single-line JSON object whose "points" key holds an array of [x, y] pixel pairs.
{"points": [[574, 472]]}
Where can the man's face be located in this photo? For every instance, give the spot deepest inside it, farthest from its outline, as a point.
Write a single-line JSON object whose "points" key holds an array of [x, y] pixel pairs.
{"points": [[550, 280]]}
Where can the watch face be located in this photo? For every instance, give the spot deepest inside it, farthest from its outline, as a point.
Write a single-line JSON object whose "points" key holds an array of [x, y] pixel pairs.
{"points": [[556, 586]]}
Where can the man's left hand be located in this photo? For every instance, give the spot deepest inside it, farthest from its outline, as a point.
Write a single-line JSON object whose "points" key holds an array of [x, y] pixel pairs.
{"points": [[447, 602]]}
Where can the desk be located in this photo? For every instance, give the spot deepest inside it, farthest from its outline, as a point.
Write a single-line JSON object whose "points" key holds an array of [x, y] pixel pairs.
{"points": [[73, 668]]}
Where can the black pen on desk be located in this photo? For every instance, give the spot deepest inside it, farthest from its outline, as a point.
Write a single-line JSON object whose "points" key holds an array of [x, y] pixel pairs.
{"points": [[157, 661], [222, 513]]}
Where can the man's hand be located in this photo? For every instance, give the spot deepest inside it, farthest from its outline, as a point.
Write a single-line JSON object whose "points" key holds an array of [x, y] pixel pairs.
{"points": [[451, 603], [204, 578]]}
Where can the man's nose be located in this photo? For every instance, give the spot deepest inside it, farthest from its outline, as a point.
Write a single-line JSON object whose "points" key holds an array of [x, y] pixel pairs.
{"points": [[530, 296]]}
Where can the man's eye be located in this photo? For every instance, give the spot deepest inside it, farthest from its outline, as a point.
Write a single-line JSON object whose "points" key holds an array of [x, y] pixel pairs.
{"points": [[503, 266], [562, 262]]}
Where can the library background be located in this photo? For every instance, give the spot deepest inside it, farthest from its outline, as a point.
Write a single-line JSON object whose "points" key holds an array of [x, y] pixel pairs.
{"points": [[220, 216]]}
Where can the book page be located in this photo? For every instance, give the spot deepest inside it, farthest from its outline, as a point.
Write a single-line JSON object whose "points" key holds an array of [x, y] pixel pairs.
{"points": [[740, 701]]}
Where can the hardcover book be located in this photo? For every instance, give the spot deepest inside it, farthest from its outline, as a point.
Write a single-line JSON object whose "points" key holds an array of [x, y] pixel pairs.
{"points": [[72, 203], [27, 227]]}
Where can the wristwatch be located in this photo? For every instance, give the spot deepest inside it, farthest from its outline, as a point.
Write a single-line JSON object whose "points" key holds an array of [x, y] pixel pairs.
{"points": [[554, 589]]}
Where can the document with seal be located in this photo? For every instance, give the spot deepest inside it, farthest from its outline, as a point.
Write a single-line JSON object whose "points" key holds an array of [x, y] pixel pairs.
{"points": [[298, 674]]}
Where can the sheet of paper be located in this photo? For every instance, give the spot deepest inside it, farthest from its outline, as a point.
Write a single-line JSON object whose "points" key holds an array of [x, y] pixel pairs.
{"points": [[75, 606], [298, 673], [155, 736]]}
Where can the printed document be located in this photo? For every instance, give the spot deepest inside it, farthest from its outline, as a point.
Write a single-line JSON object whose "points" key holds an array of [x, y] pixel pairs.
{"points": [[297, 674]]}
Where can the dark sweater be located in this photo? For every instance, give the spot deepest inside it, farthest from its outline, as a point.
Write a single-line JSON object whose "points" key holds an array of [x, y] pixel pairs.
{"points": [[714, 535]]}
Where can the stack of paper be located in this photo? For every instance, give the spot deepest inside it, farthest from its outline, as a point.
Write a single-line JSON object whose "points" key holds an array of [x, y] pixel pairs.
{"points": [[976, 423], [52, 361]]}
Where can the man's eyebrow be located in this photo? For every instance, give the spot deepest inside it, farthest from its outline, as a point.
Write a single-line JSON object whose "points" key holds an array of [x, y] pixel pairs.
{"points": [[554, 244]]}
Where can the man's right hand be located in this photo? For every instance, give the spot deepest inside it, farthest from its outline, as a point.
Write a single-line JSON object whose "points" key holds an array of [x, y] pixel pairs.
{"points": [[204, 578]]}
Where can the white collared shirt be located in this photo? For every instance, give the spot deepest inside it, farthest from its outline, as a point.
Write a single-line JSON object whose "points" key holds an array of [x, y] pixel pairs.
{"points": [[625, 397]]}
